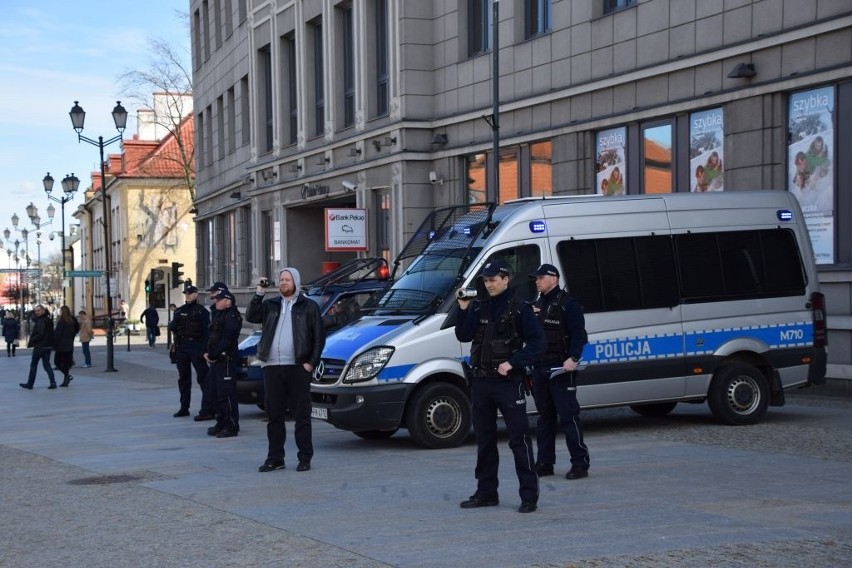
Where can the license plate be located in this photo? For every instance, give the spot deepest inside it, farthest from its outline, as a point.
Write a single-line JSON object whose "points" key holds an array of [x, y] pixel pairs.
{"points": [[321, 413]]}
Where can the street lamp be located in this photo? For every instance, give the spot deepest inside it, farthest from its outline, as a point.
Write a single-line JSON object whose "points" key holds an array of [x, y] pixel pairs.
{"points": [[119, 116], [69, 187]]}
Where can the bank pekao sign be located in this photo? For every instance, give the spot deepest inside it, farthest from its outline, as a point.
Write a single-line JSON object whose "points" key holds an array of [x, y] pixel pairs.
{"points": [[345, 229]]}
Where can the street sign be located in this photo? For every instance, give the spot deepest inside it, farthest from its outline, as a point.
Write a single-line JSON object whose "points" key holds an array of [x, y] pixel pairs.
{"points": [[83, 273]]}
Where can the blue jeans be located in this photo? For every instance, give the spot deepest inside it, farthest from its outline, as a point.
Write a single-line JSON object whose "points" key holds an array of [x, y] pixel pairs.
{"points": [[87, 355], [151, 334], [41, 354]]}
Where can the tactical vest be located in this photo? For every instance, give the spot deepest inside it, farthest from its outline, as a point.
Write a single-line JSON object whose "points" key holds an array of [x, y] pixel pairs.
{"points": [[495, 342], [550, 316], [188, 323], [217, 328]]}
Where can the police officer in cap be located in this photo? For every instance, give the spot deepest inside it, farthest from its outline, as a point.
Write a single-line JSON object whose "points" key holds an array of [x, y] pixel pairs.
{"points": [[221, 355], [190, 325], [506, 338], [564, 327]]}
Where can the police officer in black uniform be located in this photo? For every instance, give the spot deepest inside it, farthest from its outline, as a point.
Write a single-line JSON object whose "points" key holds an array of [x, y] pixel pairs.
{"points": [[190, 325], [564, 327], [506, 339], [221, 355]]}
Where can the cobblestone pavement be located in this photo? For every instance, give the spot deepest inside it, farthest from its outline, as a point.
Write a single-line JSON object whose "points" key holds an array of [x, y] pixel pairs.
{"points": [[100, 474]]}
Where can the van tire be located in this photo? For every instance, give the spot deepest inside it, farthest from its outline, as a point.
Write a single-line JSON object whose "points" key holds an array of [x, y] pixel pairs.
{"points": [[656, 409], [739, 394], [438, 416], [376, 434]]}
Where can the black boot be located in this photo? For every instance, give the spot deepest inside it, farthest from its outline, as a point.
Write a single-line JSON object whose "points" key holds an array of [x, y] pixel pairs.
{"points": [[66, 381]]}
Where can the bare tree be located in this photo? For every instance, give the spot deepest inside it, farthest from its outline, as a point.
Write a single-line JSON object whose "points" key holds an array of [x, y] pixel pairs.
{"points": [[169, 78]]}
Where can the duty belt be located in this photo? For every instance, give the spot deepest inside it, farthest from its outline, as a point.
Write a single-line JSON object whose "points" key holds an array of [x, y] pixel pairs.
{"points": [[480, 373]]}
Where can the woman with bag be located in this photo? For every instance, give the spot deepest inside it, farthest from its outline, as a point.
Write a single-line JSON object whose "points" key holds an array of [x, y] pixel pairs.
{"points": [[11, 331], [63, 343]]}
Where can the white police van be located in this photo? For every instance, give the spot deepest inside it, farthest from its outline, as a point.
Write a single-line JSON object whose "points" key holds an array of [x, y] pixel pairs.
{"points": [[688, 298]]}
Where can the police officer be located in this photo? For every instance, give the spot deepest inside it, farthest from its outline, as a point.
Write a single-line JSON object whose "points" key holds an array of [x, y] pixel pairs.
{"points": [[564, 327], [190, 325], [221, 355], [506, 338]]}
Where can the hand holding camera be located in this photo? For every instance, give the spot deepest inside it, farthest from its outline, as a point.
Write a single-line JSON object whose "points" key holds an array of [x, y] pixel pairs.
{"points": [[262, 285], [464, 296]]}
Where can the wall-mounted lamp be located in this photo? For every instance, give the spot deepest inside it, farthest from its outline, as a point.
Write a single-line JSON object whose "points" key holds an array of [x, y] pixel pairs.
{"points": [[378, 143], [354, 151], [236, 195], [742, 71], [439, 139], [322, 160]]}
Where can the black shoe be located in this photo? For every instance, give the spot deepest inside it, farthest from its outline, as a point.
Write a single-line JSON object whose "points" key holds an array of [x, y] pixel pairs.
{"points": [[213, 430], [527, 507], [227, 433], [577, 473], [303, 466], [475, 501], [52, 386], [203, 417], [181, 413], [25, 386], [270, 465], [67, 381], [544, 469]]}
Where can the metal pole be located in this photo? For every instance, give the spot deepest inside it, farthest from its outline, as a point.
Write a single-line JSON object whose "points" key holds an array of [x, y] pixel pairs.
{"points": [[62, 203], [495, 98], [107, 265]]}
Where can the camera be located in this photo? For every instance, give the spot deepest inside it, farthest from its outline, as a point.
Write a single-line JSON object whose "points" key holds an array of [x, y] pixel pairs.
{"points": [[466, 293], [264, 283]]}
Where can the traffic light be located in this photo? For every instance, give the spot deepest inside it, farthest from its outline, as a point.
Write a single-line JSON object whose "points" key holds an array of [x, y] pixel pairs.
{"points": [[176, 274], [147, 286]]}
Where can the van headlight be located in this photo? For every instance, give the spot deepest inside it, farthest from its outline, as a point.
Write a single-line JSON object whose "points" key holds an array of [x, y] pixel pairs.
{"points": [[368, 364]]}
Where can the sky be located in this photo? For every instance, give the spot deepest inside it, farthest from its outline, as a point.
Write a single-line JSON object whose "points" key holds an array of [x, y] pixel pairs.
{"points": [[55, 52]]}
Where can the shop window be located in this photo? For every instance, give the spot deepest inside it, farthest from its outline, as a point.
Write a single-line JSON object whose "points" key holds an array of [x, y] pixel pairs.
{"points": [[657, 159]]}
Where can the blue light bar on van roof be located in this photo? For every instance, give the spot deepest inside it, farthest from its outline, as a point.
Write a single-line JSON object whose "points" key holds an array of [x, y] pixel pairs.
{"points": [[537, 226], [784, 215]]}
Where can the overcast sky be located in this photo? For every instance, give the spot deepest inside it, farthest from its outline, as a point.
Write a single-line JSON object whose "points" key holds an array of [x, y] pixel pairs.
{"points": [[53, 52]]}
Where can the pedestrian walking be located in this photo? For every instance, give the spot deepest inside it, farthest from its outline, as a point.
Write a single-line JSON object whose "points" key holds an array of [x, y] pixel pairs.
{"points": [[290, 348], [86, 335], [506, 338], [564, 326], [151, 319], [41, 342], [66, 330], [11, 333], [221, 355], [190, 326]]}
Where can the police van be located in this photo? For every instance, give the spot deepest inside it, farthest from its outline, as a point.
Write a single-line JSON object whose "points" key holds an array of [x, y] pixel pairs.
{"points": [[688, 298]]}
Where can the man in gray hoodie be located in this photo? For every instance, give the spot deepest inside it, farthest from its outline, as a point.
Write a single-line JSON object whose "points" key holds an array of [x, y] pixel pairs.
{"points": [[290, 347]]}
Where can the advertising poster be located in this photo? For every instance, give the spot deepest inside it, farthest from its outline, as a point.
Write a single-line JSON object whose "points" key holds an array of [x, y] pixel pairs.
{"points": [[810, 166], [612, 162], [706, 150]]}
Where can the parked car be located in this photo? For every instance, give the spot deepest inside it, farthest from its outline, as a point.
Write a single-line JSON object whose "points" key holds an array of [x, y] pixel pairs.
{"points": [[341, 295]]}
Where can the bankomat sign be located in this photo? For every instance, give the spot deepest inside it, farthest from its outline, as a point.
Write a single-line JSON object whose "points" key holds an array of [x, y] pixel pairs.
{"points": [[346, 229]]}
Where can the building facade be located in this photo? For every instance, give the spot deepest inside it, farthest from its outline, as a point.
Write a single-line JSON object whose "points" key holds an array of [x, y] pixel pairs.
{"points": [[385, 107], [149, 194]]}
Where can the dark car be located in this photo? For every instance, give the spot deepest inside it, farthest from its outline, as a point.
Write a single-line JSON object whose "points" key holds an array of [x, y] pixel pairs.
{"points": [[341, 295]]}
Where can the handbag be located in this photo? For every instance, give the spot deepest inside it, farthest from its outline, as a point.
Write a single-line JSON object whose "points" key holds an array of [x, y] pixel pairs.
{"points": [[16, 343], [157, 332]]}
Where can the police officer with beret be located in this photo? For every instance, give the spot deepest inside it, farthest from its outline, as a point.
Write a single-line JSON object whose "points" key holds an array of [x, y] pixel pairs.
{"points": [[564, 327], [189, 326], [506, 338], [221, 355]]}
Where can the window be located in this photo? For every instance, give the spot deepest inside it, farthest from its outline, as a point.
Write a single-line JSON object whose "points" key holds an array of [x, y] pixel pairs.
{"points": [[244, 110], [537, 14], [199, 135], [348, 60], [541, 169], [613, 5], [197, 39], [739, 265], [706, 150], [205, 28], [208, 135], [290, 73], [476, 178], [266, 240], [525, 171], [657, 158], [382, 67], [220, 127], [229, 18], [230, 246], [319, 83], [242, 8], [478, 26], [217, 23], [522, 260], [246, 258], [617, 274], [611, 162], [231, 111], [264, 64], [383, 223]]}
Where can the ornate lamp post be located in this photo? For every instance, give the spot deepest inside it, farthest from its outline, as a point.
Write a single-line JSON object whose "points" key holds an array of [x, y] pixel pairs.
{"points": [[119, 116], [70, 183]]}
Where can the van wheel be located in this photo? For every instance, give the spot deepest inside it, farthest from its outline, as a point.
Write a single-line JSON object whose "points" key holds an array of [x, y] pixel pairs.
{"points": [[376, 434], [739, 394], [652, 410], [438, 416]]}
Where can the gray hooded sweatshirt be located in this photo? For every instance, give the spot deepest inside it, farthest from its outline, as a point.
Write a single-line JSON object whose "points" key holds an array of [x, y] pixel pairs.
{"points": [[282, 351]]}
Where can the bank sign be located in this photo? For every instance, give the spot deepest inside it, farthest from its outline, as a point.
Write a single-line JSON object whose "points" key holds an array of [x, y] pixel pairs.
{"points": [[345, 229]]}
